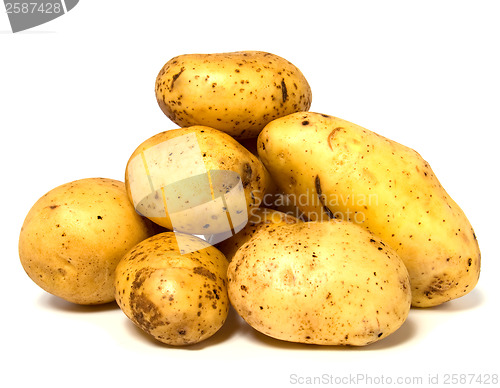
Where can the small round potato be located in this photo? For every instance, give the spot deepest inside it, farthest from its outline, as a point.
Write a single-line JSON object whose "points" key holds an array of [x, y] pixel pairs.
{"points": [[179, 299], [74, 236], [237, 92], [258, 219], [325, 283]]}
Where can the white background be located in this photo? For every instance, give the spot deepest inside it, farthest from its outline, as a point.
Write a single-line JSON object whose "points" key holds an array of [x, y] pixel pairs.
{"points": [[77, 97]]}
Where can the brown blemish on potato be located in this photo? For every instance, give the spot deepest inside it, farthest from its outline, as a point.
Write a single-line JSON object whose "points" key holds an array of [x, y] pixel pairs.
{"points": [[144, 312], [284, 92], [140, 277], [332, 135], [204, 272], [247, 175], [175, 76], [317, 184], [439, 285]]}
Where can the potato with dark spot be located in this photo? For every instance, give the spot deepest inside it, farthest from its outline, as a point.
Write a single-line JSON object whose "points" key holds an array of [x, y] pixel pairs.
{"points": [[325, 283], [342, 170], [74, 236], [179, 299], [236, 92], [259, 218], [274, 198], [185, 176]]}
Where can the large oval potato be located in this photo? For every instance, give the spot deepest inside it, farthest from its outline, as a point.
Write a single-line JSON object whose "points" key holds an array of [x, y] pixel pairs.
{"points": [[74, 236], [238, 92], [326, 283], [196, 180], [335, 168], [179, 299]]}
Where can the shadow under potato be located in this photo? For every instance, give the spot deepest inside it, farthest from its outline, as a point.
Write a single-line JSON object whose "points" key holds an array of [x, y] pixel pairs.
{"points": [[232, 325], [50, 301], [406, 332], [236, 325], [471, 301]]}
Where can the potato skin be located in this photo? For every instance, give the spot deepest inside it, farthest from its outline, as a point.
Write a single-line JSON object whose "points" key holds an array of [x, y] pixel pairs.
{"points": [[179, 299], [74, 236], [236, 92], [219, 152], [275, 198], [351, 173], [325, 283], [258, 219]]}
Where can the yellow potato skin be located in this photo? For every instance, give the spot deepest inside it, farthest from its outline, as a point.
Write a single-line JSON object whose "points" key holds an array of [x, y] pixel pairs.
{"points": [[179, 299], [259, 218], [325, 283], [74, 236], [348, 172], [220, 152], [236, 92], [275, 198]]}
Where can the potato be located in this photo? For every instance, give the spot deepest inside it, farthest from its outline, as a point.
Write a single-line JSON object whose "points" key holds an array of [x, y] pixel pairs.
{"points": [[179, 299], [325, 283], [337, 169], [238, 92], [74, 236], [275, 198], [259, 218], [197, 180]]}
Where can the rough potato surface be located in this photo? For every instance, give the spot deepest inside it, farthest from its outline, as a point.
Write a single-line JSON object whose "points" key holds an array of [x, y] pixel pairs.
{"points": [[219, 152], [348, 172], [326, 283], [238, 92], [259, 218], [179, 299]]}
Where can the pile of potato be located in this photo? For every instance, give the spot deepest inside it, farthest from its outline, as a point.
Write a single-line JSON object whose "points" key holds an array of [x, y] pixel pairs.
{"points": [[366, 230]]}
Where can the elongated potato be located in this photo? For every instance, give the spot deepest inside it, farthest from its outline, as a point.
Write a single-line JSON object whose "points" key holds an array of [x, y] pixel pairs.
{"points": [[197, 180], [179, 299], [326, 283], [335, 168], [238, 92]]}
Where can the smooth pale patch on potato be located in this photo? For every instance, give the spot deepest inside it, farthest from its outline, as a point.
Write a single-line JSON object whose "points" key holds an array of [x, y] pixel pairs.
{"points": [[325, 283], [74, 236], [259, 218], [179, 299], [204, 175], [236, 92], [340, 170]]}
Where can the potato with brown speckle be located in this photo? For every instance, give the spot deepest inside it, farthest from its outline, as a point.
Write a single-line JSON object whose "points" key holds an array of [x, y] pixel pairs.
{"points": [[237, 92], [179, 299], [258, 219], [345, 171], [183, 177], [74, 236], [325, 283]]}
